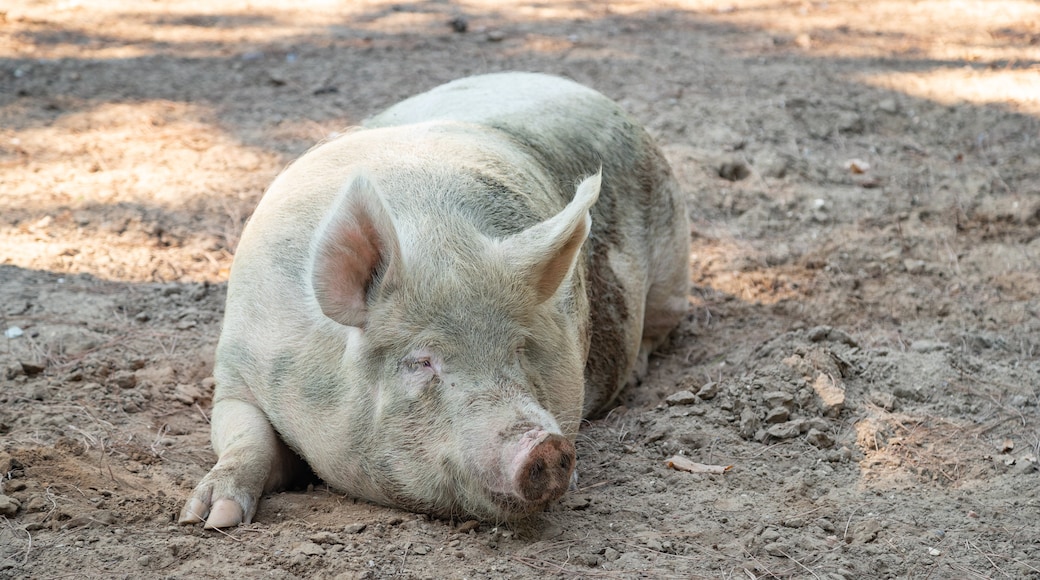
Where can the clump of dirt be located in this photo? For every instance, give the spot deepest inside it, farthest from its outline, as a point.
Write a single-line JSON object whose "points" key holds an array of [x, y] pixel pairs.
{"points": [[861, 350]]}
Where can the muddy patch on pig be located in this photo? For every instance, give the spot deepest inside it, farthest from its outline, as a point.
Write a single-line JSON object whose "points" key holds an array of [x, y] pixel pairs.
{"points": [[861, 346]]}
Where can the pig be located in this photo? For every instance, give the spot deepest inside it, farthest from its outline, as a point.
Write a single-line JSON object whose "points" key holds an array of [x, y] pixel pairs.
{"points": [[423, 309]]}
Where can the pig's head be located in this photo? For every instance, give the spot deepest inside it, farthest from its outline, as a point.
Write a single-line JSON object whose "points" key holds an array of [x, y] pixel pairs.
{"points": [[470, 359]]}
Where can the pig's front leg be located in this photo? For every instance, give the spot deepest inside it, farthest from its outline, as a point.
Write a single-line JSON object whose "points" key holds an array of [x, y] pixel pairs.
{"points": [[251, 460]]}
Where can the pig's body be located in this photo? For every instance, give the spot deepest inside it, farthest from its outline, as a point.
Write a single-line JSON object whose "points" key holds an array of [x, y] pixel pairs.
{"points": [[412, 310]]}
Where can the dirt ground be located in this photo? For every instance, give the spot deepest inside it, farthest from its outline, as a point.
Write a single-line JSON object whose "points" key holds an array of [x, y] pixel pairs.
{"points": [[863, 344]]}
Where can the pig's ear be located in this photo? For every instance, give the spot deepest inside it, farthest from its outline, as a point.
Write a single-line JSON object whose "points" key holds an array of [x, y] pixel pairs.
{"points": [[549, 250], [356, 246]]}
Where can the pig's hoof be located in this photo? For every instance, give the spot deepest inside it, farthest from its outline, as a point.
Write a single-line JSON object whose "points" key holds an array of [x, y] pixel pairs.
{"points": [[224, 514], [545, 474], [220, 501]]}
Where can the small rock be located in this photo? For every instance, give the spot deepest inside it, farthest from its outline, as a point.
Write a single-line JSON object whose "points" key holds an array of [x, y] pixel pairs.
{"points": [[914, 266], [186, 394], [888, 105], [830, 393], [866, 532], [1026, 464], [468, 526], [354, 528], [819, 439], [100, 518], [779, 399], [13, 371], [748, 423], [850, 122], [37, 503], [496, 36], [857, 166], [575, 503], [208, 384], [31, 368], [822, 333], [325, 538], [784, 431], [309, 549], [124, 379], [885, 400], [1018, 401], [934, 552], [818, 333], [420, 549], [925, 346], [9, 506], [459, 24], [777, 549], [777, 415], [13, 332], [708, 390], [681, 398], [658, 432]]}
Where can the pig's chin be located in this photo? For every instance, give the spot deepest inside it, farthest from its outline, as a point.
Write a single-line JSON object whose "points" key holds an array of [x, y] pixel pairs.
{"points": [[511, 507]]}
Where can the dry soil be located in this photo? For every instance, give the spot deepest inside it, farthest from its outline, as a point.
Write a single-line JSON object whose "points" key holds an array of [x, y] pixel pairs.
{"points": [[863, 343]]}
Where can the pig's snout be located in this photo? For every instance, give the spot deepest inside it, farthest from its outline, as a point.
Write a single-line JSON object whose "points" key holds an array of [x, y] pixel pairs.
{"points": [[544, 470]]}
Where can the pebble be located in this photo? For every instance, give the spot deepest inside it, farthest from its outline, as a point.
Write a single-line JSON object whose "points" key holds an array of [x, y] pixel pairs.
{"points": [[186, 394], [708, 391], [575, 503], [681, 398], [819, 439], [1018, 401], [309, 549], [325, 538], [888, 105], [354, 528], [883, 399], [925, 346], [13, 332], [831, 395], [9, 506], [31, 368], [778, 399], [459, 24], [124, 379], [777, 415], [784, 431]]}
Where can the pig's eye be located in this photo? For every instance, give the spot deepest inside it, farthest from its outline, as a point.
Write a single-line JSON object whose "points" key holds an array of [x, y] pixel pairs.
{"points": [[420, 363]]}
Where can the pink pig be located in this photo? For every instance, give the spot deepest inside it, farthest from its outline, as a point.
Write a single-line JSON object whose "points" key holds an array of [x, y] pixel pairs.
{"points": [[424, 309]]}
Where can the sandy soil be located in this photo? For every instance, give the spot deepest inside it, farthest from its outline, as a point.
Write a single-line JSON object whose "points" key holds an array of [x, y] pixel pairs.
{"points": [[863, 345]]}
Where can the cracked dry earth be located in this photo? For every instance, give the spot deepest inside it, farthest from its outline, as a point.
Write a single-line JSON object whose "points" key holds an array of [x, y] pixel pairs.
{"points": [[862, 347]]}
